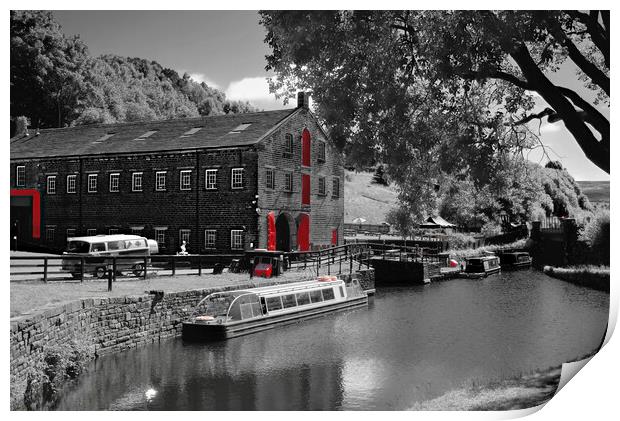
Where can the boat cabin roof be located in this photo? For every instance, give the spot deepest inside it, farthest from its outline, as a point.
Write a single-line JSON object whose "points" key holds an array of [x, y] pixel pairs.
{"points": [[103, 237], [284, 288], [482, 258]]}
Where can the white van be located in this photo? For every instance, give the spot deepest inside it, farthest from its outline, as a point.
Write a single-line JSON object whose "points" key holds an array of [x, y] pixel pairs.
{"points": [[99, 249]]}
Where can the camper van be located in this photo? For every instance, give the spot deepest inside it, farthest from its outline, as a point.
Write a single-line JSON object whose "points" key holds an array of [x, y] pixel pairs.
{"points": [[99, 248]]}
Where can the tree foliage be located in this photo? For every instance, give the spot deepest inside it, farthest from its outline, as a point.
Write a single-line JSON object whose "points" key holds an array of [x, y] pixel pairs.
{"points": [[376, 74], [55, 82]]}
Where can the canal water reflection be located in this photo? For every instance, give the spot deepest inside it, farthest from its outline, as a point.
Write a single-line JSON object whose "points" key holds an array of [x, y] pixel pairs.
{"points": [[411, 344]]}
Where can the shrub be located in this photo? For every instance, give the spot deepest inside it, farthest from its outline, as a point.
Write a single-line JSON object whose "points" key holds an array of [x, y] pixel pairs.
{"points": [[596, 234], [459, 240]]}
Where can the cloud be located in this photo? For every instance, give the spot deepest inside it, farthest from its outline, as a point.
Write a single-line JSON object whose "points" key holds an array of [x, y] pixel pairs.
{"points": [[201, 77], [256, 91]]}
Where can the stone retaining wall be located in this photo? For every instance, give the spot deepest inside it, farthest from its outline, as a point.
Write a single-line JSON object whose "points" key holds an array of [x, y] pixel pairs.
{"points": [[107, 325]]}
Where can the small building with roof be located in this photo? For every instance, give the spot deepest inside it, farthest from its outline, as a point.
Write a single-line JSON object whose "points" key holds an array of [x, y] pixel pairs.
{"points": [[214, 182], [437, 222]]}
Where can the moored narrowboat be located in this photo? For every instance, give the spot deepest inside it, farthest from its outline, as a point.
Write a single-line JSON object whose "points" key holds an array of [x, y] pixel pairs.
{"points": [[477, 267], [228, 314], [515, 259]]}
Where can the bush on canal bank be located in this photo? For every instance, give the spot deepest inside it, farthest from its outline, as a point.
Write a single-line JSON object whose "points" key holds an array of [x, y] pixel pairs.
{"points": [[45, 379], [595, 277], [462, 254]]}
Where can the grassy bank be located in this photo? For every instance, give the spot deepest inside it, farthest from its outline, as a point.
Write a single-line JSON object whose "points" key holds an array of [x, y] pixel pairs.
{"points": [[462, 254], [595, 277], [520, 392]]}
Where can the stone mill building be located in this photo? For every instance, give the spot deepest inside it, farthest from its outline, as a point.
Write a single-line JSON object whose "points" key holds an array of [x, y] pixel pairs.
{"points": [[211, 181]]}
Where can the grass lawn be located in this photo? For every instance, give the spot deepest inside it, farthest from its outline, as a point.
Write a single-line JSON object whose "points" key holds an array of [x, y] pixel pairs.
{"points": [[516, 393], [363, 199]]}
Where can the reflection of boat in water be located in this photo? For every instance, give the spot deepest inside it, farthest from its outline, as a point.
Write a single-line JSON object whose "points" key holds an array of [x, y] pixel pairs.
{"points": [[515, 259], [227, 314], [477, 267]]}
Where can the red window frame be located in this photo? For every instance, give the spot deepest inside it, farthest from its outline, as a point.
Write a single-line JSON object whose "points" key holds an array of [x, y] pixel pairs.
{"points": [[305, 189], [305, 148]]}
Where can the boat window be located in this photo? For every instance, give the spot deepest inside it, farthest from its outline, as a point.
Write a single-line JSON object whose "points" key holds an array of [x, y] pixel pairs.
{"points": [[97, 247], [328, 294], [303, 298], [274, 303], [316, 296], [289, 301], [341, 291]]}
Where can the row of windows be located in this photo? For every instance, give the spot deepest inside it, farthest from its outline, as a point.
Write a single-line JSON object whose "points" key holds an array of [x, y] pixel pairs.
{"points": [[270, 183], [185, 181], [210, 236], [300, 299], [289, 144]]}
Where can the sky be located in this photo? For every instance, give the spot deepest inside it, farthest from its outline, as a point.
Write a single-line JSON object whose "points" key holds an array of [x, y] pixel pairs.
{"points": [[225, 49]]}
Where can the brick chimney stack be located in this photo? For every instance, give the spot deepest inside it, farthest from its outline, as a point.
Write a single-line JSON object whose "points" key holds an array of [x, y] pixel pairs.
{"points": [[303, 99]]}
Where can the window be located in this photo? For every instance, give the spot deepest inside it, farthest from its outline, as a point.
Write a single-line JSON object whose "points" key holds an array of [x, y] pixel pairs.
{"points": [[71, 180], [70, 232], [50, 233], [160, 181], [113, 231], [146, 135], [289, 301], [137, 230], [328, 294], [288, 182], [191, 132], [303, 298], [240, 128], [321, 186], [20, 176], [315, 296], [336, 188], [104, 137], [288, 145], [186, 180], [236, 239], [274, 303], [321, 157], [92, 183], [210, 179], [236, 181], [184, 235], [160, 236], [114, 178], [210, 239], [51, 184], [269, 178], [136, 181], [91, 231]]}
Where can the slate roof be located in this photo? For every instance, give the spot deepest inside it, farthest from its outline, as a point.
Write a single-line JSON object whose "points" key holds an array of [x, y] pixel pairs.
{"points": [[215, 132]]}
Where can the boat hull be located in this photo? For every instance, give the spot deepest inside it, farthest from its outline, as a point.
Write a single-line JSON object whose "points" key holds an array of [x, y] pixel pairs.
{"points": [[481, 274], [209, 332]]}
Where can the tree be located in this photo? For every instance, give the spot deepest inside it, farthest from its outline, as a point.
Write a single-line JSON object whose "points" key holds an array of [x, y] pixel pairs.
{"points": [[46, 69], [368, 67]]}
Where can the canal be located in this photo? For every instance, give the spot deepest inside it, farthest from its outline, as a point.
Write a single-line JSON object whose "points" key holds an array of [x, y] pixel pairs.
{"points": [[410, 345]]}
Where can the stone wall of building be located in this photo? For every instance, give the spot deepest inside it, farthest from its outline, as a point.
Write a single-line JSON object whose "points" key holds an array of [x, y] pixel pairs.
{"points": [[326, 210]]}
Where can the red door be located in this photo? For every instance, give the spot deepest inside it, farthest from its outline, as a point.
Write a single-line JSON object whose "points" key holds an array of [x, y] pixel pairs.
{"points": [[303, 232], [305, 148], [305, 189], [271, 231], [335, 237]]}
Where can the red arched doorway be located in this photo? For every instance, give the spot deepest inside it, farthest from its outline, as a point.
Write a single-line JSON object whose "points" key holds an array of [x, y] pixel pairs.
{"points": [[303, 232]]}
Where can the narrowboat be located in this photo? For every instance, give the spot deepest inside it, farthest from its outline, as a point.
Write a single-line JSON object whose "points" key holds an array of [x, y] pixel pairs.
{"points": [[228, 314], [515, 259], [477, 267]]}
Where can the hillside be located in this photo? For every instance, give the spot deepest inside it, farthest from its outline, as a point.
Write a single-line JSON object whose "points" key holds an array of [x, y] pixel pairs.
{"points": [[363, 199], [597, 191]]}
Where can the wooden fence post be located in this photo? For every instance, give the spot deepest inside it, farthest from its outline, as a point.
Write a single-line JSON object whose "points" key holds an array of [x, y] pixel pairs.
{"points": [[81, 269], [144, 268], [199, 265], [45, 269]]}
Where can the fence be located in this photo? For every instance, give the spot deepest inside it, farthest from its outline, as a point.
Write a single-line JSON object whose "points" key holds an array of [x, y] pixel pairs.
{"points": [[368, 229], [50, 268]]}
